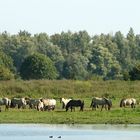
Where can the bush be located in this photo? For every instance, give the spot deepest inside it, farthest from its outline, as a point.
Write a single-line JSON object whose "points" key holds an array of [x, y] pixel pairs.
{"points": [[38, 66], [5, 74]]}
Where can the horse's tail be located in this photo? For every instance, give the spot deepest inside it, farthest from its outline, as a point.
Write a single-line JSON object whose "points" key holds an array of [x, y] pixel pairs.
{"points": [[91, 105], [82, 105], [9, 103], [12, 104], [121, 102]]}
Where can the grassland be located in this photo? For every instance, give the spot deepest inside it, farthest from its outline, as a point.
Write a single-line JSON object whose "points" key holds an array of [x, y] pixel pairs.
{"points": [[72, 89]]}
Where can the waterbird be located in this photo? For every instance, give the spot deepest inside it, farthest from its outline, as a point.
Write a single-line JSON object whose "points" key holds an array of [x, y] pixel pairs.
{"points": [[59, 137], [50, 136]]}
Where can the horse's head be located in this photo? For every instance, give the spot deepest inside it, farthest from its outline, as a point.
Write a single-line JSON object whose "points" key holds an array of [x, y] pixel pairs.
{"points": [[108, 102]]}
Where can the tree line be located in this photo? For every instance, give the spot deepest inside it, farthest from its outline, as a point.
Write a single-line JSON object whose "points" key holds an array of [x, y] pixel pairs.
{"points": [[69, 55]]}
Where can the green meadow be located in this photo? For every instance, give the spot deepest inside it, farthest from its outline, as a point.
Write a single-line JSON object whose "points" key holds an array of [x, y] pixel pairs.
{"points": [[85, 90]]}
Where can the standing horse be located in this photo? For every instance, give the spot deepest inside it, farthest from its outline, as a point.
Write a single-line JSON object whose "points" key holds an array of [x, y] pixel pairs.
{"points": [[75, 103], [20, 102], [128, 102], [49, 104], [101, 101], [33, 103], [40, 106], [5, 101], [64, 102]]}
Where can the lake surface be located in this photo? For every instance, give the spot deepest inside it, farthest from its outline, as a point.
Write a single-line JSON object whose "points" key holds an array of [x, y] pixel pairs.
{"points": [[69, 132]]}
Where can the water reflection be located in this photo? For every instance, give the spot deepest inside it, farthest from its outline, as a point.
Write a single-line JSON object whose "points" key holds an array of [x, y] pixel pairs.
{"points": [[68, 132]]}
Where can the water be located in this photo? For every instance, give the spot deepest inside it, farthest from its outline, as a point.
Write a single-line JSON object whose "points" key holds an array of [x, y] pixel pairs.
{"points": [[68, 132]]}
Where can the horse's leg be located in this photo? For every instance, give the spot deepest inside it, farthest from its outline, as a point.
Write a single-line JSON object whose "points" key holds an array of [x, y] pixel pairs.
{"points": [[102, 107], [18, 106], [67, 108], [6, 107], [105, 107], [133, 105], [81, 108], [71, 108]]}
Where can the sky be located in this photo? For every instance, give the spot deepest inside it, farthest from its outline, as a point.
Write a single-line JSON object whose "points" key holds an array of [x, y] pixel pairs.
{"points": [[55, 16]]}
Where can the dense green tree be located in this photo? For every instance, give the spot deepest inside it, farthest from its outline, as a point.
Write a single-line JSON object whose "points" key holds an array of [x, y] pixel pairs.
{"points": [[7, 69], [6, 61], [124, 56], [75, 55], [103, 63], [64, 41], [38, 66], [132, 45], [75, 67], [5, 73], [18, 47], [135, 73], [44, 46]]}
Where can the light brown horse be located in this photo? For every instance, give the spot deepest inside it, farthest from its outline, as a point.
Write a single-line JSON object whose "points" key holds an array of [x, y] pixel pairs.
{"points": [[49, 104], [128, 102]]}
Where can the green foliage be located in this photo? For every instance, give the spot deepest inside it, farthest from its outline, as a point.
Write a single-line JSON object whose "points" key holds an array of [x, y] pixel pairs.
{"points": [[135, 73], [75, 55], [75, 67], [6, 67], [6, 61], [5, 74], [38, 66]]}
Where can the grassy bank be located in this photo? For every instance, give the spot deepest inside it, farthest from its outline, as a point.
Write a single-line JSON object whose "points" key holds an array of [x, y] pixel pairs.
{"points": [[76, 89], [115, 116]]}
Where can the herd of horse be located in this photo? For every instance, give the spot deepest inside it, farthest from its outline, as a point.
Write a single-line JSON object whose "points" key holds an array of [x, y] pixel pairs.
{"points": [[44, 104]]}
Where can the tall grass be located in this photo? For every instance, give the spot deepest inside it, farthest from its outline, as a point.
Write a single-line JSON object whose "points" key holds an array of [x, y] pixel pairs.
{"points": [[74, 89], [69, 88]]}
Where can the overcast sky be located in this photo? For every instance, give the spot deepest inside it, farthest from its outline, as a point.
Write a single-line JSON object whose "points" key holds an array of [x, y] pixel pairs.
{"points": [[55, 16]]}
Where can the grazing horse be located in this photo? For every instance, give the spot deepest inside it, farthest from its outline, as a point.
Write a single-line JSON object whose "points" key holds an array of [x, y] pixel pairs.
{"points": [[20, 102], [75, 103], [40, 106], [49, 104], [101, 101], [5, 101], [64, 102], [33, 103], [128, 102]]}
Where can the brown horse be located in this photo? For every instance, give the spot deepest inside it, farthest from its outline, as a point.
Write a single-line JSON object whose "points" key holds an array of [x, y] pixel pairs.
{"points": [[49, 104]]}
